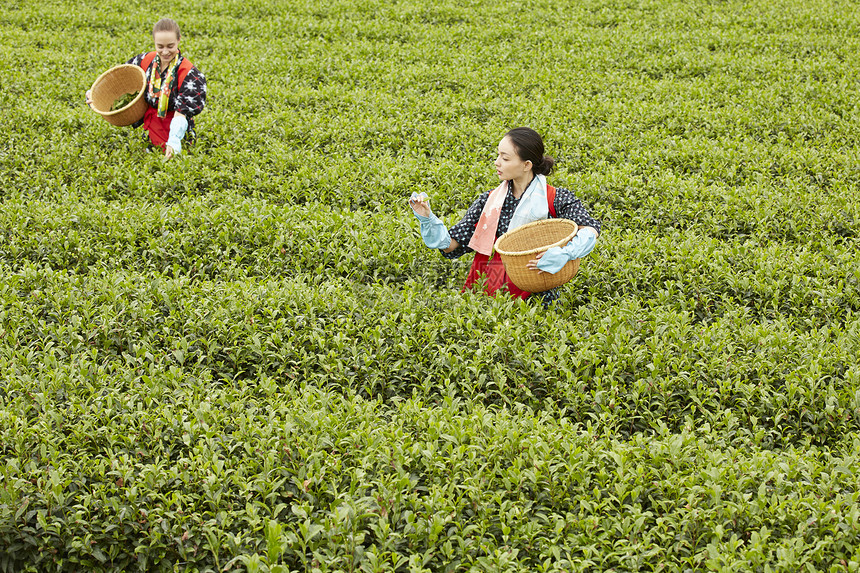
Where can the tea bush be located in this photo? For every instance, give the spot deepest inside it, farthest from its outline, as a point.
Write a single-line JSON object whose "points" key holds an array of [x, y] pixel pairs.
{"points": [[245, 358]]}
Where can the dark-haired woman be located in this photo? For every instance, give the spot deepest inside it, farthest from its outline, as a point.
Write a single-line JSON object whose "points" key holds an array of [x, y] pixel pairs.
{"points": [[175, 90], [522, 197]]}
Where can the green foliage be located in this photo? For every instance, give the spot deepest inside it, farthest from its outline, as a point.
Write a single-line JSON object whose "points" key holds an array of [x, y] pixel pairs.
{"points": [[123, 101], [245, 359]]}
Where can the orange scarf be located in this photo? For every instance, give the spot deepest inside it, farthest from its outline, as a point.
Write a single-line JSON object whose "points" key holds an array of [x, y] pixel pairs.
{"points": [[532, 207]]}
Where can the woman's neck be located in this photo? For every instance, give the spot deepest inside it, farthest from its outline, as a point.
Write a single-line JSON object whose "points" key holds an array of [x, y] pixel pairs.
{"points": [[164, 65], [520, 184]]}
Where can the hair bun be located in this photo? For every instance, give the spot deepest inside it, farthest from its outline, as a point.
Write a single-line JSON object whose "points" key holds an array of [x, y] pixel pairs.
{"points": [[546, 165]]}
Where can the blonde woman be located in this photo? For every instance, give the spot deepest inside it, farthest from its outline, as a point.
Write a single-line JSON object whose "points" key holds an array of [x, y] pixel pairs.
{"points": [[175, 90]]}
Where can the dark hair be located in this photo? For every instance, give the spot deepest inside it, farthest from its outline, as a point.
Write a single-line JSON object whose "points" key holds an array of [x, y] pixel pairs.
{"points": [[167, 25], [529, 146]]}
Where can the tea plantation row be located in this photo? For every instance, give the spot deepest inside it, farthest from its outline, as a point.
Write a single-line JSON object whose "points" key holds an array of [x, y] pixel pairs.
{"points": [[223, 236]]}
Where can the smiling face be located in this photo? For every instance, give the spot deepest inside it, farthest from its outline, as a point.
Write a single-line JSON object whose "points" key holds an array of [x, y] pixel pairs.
{"points": [[166, 45], [508, 164]]}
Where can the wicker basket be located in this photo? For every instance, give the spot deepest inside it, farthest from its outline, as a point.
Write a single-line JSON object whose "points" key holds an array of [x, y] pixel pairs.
{"points": [[112, 85], [519, 246]]}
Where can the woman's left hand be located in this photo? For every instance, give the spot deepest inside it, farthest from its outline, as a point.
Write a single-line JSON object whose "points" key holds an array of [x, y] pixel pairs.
{"points": [[168, 152], [532, 264]]}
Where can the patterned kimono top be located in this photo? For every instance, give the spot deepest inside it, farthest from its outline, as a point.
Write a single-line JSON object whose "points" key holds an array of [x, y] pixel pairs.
{"points": [[188, 99], [567, 206]]}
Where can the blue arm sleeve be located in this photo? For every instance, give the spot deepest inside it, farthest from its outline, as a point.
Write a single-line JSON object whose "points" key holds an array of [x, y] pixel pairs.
{"points": [[434, 232], [555, 258], [178, 126]]}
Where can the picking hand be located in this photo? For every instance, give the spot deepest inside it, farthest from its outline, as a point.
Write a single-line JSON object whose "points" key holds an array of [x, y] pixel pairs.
{"points": [[433, 230], [168, 153], [420, 204]]}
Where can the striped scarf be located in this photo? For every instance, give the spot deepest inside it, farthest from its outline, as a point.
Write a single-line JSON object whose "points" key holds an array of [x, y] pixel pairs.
{"points": [[156, 86]]}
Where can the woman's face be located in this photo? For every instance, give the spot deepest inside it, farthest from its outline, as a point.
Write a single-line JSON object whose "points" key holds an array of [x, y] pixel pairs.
{"points": [[166, 45], [508, 163]]}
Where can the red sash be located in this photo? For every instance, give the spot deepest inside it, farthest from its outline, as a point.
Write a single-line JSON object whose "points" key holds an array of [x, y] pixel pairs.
{"points": [[491, 266], [159, 127], [184, 66]]}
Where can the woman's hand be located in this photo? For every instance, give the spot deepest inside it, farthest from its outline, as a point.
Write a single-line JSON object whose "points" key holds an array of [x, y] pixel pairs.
{"points": [[433, 230], [89, 98], [420, 207], [420, 204], [532, 264], [168, 153]]}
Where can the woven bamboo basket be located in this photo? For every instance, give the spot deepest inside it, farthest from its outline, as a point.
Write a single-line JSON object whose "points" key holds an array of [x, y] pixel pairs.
{"points": [[112, 85], [519, 246]]}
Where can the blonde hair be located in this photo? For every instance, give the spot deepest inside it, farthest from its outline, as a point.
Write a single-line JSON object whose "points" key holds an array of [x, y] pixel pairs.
{"points": [[167, 25]]}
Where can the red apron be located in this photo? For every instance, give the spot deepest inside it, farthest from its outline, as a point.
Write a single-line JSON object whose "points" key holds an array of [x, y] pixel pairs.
{"points": [[158, 128], [491, 266]]}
